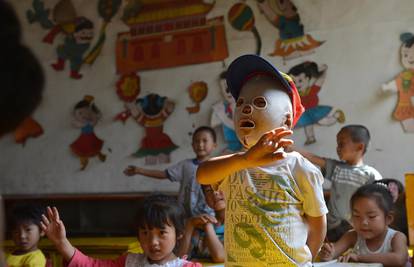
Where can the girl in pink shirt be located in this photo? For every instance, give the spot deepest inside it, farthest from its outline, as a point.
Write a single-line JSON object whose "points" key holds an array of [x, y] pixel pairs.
{"points": [[160, 224]]}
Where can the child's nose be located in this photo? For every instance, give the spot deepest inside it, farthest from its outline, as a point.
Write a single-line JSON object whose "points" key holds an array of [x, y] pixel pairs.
{"points": [[247, 109]]}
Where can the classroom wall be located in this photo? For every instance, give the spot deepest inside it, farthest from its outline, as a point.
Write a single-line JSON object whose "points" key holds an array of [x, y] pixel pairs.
{"points": [[361, 51]]}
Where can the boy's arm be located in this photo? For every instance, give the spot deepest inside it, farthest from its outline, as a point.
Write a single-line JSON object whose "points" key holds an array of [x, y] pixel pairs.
{"points": [[264, 152], [157, 174], [316, 233], [215, 247], [397, 257], [318, 161]]}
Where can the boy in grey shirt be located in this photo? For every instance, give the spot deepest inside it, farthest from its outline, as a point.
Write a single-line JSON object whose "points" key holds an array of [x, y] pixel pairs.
{"points": [[346, 175]]}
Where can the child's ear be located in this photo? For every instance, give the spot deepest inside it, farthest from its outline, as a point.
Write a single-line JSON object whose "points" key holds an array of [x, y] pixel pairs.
{"points": [[179, 236], [288, 120], [361, 147]]}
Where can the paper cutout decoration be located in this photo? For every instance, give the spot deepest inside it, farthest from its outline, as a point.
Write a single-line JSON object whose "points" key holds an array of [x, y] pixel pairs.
{"points": [[198, 92], [292, 42], [78, 32], [222, 115], [403, 84], [128, 87], [241, 18], [309, 79], [28, 128], [107, 10], [85, 116], [169, 33], [150, 112]]}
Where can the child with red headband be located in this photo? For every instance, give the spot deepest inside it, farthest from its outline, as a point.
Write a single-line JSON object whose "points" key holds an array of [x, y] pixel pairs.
{"points": [[275, 211]]}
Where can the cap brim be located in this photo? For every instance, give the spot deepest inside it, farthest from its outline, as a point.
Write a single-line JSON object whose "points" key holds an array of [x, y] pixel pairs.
{"points": [[244, 66]]}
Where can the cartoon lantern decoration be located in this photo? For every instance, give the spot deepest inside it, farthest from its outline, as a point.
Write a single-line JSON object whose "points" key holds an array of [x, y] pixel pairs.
{"points": [[198, 92]]}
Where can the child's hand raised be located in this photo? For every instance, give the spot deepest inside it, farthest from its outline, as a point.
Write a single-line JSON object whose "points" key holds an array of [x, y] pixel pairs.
{"points": [[53, 226], [200, 220], [269, 147]]}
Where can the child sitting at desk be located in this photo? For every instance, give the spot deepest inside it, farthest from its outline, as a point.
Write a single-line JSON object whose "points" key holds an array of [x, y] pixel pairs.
{"points": [[160, 222], [26, 233], [204, 234], [371, 240]]}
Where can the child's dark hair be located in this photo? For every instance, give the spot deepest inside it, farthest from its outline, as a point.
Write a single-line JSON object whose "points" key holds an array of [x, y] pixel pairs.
{"points": [[309, 68], [378, 192], [21, 75], [358, 134], [206, 129], [158, 210], [26, 213], [407, 39]]}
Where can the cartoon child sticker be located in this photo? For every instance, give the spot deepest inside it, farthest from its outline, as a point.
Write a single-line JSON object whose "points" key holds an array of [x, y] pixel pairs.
{"points": [[292, 42], [403, 84], [151, 111], [222, 114], [76, 43], [309, 80], [86, 115]]}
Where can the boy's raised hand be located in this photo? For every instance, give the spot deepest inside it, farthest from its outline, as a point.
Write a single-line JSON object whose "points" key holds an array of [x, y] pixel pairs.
{"points": [[268, 148], [53, 226]]}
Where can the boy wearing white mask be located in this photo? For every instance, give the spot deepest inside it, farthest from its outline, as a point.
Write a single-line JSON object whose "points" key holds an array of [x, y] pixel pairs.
{"points": [[275, 211]]}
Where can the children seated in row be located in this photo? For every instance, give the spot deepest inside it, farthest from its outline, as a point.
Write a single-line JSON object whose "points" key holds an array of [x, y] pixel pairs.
{"points": [[190, 194], [204, 234], [26, 232], [160, 223], [275, 210], [346, 175], [371, 240]]}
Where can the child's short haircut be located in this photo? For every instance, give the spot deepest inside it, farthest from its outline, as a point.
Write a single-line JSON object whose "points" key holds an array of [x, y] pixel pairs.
{"points": [[358, 134], [378, 192], [158, 210], [26, 213], [206, 129]]}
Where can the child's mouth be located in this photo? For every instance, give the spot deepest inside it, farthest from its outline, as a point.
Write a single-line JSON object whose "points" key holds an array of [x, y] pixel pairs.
{"points": [[247, 124]]}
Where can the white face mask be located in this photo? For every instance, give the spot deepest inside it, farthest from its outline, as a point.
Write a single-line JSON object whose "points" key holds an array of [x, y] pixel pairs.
{"points": [[261, 107]]}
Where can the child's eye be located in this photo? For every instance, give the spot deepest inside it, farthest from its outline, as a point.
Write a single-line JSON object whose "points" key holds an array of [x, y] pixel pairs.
{"points": [[260, 102], [239, 102]]}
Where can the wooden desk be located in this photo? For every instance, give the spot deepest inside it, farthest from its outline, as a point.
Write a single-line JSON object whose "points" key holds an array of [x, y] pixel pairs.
{"points": [[97, 247]]}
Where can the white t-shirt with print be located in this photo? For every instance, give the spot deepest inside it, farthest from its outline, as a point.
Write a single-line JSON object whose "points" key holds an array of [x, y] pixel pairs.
{"points": [[265, 224]]}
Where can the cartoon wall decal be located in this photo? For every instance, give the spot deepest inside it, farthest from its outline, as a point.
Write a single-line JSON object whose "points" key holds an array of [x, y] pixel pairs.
{"points": [[403, 84], [198, 92], [28, 128], [222, 115], [292, 42], [169, 33], [85, 116], [150, 112], [309, 79], [128, 87], [39, 14], [107, 10], [78, 32], [241, 18]]}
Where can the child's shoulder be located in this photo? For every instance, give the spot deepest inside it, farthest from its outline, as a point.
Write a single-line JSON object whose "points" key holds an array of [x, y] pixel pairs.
{"points": [[296, 161], [34, 257]]}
